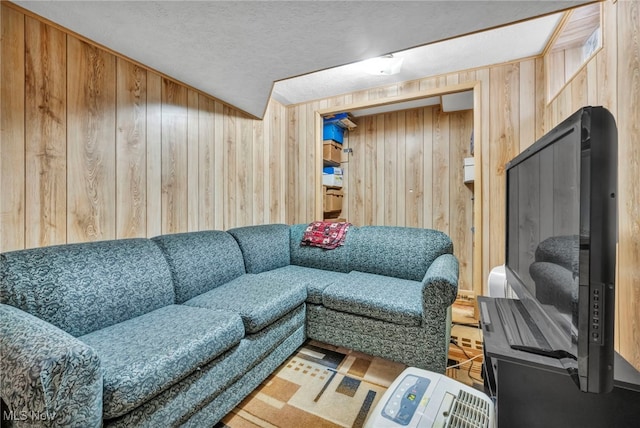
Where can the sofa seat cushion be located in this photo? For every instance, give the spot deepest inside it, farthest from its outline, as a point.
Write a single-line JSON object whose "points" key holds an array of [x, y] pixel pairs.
{"points": [[258, 299], [145, 355], [398, 301], [315, 280]]}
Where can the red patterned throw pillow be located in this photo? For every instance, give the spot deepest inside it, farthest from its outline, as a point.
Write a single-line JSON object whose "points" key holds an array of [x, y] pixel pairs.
{"points": [[324, 234]]}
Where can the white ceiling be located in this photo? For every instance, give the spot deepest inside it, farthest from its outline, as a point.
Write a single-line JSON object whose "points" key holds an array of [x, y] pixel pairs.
{"points": [[235, 50], [494, 46]]}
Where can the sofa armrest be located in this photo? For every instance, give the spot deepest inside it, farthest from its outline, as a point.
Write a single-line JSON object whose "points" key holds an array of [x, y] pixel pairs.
{"points": [[48, 377], [440, 283]]}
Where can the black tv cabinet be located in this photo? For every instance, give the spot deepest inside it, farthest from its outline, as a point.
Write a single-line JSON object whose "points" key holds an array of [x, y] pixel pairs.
{"points": [[535, 391]]}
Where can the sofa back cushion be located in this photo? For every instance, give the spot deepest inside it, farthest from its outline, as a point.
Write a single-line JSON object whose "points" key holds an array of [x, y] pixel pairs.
{"points": [[264, 247], [303, 255], [401, 252], [81, 288], [200, 261]]}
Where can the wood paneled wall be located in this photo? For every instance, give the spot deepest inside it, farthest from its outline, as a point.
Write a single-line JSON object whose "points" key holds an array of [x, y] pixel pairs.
{"points": [[406, 170], [93, 146], [514, 115], [612, 79], [96, 147]]}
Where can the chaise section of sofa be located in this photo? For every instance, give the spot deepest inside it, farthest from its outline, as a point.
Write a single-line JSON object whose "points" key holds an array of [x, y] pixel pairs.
{"points": [[386, 291], [396, 300]]}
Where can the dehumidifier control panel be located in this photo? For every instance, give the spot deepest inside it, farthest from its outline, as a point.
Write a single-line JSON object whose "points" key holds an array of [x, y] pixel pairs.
{"points": [[405, 399]]}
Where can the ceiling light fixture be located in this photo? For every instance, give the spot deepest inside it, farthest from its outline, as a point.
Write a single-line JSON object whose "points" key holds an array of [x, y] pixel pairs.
{"points": [[386, 65]]}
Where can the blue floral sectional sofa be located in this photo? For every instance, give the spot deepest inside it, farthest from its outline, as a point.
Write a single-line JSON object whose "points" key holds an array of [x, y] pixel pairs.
{"points": [[178, 329]]}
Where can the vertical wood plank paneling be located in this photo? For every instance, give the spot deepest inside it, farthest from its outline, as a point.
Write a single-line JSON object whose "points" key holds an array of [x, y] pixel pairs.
{"points": [[484, 77], [390, 161], [219, 179], [92, 210], [245, 171], [607, 58], [400, 176], [368, 126], [468, 214], [628, 97], [12, 125], [154, 154], [540, 99], [174, 158], [124, 141], [579, 90], [310, 165], [414, 160], [415, 163], [355, 165], [46, 151], [380, 165], [427, 161], [527, 108], [592, 83], [206, 163], [503, 146], [460, 207], [293, 143], [277, 158], [131, 147], [229, 176], [260, 181], [193, 147], [305, 204], [440, 165], [91, 193]]}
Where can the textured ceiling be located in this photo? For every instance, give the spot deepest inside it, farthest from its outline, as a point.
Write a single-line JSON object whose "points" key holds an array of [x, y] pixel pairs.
{"points": [[235, 50], [480, 49]]}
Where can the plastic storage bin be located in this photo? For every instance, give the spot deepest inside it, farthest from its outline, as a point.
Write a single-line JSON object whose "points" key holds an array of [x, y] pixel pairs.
{"points": [[332, 131]]}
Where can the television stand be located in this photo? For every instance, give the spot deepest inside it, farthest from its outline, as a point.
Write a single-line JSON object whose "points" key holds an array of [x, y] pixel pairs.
{"points": [[536, 391]]}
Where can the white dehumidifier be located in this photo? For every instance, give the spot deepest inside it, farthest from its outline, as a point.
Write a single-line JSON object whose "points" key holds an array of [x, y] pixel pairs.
{"points": [[420, 398]]}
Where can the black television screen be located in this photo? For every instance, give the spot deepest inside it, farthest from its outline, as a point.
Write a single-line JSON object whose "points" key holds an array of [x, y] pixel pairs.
{"points": [[560, 245]]}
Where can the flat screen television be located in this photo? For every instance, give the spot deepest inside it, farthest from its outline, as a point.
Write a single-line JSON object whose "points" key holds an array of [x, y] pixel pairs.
{"points": [[561, 217]]}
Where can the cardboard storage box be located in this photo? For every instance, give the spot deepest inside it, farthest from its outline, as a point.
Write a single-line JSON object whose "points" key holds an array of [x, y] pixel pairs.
{"points": [[332, 152], [333, 200], [334, 180]]}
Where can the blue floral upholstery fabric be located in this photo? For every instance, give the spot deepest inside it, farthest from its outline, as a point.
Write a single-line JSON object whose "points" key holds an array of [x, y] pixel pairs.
{"points": [[201, 261], [82, 288], [441, 283], [174, 332], [398, 301], [264, 247], [319, 258], [143, 356], [48, 376], [258, 300], [315, 280], [177, 404], [400, 252], [234, 394], [424, 347]]}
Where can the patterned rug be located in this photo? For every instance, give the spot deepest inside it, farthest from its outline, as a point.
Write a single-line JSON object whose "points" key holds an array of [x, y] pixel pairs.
{"points": [[319, 386]]}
